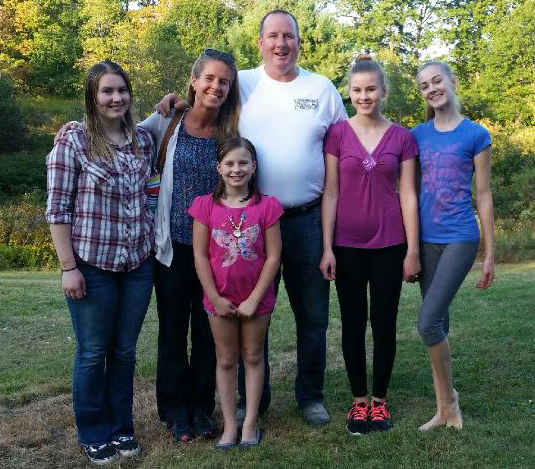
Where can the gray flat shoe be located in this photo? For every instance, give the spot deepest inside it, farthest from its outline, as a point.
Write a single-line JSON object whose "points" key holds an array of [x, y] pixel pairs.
{"points": [[251, 443], [225, 446], [315, 414]]}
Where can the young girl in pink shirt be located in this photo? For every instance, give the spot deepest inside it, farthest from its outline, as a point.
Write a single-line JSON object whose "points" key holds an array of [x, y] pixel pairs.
{"points": [[237, 246]]}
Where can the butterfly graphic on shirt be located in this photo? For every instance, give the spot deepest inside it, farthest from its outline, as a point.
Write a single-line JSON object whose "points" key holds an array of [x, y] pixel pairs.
{"points": [[235, 247]]}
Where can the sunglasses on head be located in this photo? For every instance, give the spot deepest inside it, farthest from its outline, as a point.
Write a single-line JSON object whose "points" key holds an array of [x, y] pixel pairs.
{"points": [[217, 54]]}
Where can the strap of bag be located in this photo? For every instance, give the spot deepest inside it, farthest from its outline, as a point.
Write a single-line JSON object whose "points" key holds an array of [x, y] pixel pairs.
{"points": [[162, 151]]}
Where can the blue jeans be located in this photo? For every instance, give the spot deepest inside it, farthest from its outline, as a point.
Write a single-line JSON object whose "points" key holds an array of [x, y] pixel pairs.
{"points": [[308, 293], [106, 323]]}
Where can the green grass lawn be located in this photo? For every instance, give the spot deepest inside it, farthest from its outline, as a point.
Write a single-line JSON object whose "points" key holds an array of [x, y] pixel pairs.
{"points": [[493, 346]]}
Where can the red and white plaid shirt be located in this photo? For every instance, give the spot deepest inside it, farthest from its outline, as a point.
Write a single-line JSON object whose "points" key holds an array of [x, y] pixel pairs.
{"points": [[104, 202]]}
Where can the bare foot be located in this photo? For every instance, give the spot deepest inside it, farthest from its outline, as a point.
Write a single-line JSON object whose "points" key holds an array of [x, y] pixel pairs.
{"points": [[454, 417], [451, 418], [437, 421]]}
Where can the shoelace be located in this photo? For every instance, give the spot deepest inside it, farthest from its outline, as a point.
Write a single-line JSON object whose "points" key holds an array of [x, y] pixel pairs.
{"points": [[358, 412], [96, 448], [378, 411]]}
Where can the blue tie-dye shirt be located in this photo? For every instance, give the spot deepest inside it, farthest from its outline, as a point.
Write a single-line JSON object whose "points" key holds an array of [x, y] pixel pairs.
{"points": [[447, 165]]}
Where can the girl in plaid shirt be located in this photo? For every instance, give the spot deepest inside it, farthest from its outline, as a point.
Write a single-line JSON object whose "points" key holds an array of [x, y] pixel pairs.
{"points": [[103, 234]]}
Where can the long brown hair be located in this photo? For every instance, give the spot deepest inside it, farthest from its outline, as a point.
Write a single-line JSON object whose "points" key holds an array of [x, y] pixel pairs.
{"points": [[230, 109], [429, 110], [99, 144], [223, 149]]}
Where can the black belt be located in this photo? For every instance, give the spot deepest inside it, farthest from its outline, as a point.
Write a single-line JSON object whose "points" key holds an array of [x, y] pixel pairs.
{"points": [[294, 211]]}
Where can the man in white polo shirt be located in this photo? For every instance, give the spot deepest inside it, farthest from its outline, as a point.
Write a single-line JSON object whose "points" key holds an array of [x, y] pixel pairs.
{"points": [[286, 112]]}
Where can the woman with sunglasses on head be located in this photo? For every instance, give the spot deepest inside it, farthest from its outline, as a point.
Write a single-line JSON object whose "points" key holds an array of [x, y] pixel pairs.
{"points": [[185, 387]]}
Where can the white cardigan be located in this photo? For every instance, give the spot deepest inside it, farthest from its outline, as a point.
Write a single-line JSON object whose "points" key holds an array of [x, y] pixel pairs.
{"points": [[157, 125]]}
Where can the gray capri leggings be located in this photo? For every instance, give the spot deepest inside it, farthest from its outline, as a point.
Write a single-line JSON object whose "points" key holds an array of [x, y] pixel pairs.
{"points": [[444, 267]]}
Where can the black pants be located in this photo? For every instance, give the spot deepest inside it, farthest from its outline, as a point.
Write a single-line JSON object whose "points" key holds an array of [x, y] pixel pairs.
{"points": [[382, 269], [183, 384]]}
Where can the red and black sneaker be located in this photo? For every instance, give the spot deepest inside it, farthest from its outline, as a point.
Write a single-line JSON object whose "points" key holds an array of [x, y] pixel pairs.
{"points": [[357, 419], [380, 418], [180, 426]]}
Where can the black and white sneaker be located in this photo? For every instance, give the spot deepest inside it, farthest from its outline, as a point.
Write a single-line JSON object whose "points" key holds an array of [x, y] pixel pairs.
{"points": [[100, 454], [126, 446]]}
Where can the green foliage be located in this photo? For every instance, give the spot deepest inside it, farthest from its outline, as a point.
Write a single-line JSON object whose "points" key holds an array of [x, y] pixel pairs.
{"points": [[99, 38], [403, 103], [513, 171], [405, 28], [43, 116], [41, 44], [514, 239], [24, 235], [508, 66], [21, 173], [27, 257], [11, 122], [198, 24]]}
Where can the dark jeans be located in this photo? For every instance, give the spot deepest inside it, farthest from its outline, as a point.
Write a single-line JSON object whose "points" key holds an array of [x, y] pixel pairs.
{"points": [[183, 385], [308, 293], [106, 323], [382, 269]]}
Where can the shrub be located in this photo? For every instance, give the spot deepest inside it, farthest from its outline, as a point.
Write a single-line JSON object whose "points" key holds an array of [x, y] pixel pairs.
{"points": [[22, 173], [12, 125], [25, 241], [514, 240]]}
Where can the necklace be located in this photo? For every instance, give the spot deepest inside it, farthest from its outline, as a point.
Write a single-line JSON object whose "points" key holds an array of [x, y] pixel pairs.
{"points": [[237, 228]]}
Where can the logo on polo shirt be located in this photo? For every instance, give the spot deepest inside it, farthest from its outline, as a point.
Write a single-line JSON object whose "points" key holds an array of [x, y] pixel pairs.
{"points": [[305, 104]]}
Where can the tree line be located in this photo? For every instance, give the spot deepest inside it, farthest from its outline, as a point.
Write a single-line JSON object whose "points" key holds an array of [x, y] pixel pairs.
{"points": [[46, 45]]}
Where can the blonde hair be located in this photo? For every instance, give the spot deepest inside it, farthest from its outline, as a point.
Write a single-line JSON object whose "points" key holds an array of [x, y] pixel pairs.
{"points": [[230, 109], [98, 142], [429, 110], [364, 64]]}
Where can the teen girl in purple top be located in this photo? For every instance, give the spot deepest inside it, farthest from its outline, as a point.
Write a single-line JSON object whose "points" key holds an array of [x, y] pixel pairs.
{"points": [[370, 236], [452, 149]]}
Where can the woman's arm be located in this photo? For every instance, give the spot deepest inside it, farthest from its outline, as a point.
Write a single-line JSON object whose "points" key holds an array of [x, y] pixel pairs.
{"points": [[409, 212], [329, 204], [273, 246], [201, 238], [485, 211], [62, 170], [72, 281]]}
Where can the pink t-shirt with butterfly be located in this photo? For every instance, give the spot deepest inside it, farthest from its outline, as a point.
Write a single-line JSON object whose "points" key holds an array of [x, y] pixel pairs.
{"points": [[236, 248]]}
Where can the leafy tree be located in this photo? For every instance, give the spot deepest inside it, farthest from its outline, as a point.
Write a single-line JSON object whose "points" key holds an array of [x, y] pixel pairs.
{"points": [[99, 42], [197, 24], [40, 43], [403, 27], [153, 57], [507, 76]]}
